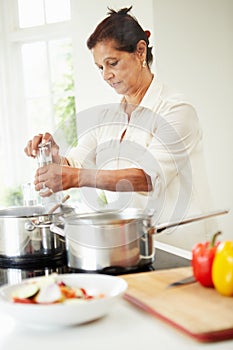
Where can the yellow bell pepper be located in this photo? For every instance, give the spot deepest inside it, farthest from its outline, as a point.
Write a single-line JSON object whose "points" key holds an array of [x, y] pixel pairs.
{"points": [[222, 269]]}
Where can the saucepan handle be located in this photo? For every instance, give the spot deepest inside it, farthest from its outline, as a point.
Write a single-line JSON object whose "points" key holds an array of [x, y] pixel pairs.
{"points": [[161, 227], [59, 231]]}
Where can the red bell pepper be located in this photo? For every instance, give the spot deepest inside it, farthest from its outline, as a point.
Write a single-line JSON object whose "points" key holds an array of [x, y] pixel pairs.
{"points": [[202, 259]]}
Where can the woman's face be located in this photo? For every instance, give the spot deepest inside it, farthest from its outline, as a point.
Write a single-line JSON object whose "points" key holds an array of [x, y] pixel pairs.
{"points": [[121, 70]]}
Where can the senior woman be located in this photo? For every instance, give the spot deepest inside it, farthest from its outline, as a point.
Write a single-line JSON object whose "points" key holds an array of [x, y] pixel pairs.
{"points": [[145, 152]]}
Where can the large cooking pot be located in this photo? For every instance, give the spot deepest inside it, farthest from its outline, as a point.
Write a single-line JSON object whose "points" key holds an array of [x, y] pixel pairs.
{"points": [[106, 240], [25, 236]]}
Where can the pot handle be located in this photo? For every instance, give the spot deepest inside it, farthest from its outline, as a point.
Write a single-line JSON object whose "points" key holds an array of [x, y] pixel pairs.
{"points": [[29, 225], [55, 229], [161, 227]]}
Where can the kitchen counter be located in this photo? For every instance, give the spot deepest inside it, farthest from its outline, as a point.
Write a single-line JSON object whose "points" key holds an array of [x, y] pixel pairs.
{"points": [[124, 327]]}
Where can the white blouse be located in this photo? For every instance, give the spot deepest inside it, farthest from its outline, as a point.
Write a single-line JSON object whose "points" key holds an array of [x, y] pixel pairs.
{"points": [[163, 137]]}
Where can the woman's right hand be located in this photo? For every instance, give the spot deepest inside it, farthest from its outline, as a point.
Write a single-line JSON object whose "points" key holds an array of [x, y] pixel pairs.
{"points": [[31, 148]]}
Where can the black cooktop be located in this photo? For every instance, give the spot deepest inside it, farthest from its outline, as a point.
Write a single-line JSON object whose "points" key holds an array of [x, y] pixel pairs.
{"points": [[13, 274]]}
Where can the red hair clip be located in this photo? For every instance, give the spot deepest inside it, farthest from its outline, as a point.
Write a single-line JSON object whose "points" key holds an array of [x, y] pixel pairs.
{"points": [[147, 32]]}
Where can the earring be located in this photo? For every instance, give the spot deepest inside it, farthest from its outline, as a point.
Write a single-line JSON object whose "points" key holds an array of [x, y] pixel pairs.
{"points": [[144, 64]]}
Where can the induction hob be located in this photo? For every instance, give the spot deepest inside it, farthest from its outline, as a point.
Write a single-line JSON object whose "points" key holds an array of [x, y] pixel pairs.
{"points": [[13, 274]]}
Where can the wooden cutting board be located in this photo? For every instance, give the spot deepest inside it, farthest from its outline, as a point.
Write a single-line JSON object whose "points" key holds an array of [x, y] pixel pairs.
{"points": [[200, 312]]}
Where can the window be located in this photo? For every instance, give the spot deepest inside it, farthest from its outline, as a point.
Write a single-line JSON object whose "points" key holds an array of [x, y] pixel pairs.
{"points": [[37, 85], [48, 82], [33, 13]]}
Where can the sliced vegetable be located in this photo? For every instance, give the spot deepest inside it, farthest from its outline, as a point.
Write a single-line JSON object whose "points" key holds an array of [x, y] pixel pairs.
{"points": [[48, 294], [47, 290], [26, 291], [23, 300]]}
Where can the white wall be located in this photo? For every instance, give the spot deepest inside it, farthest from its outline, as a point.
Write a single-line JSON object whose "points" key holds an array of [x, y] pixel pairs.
{"points": [[194, 51], [193, 48]]}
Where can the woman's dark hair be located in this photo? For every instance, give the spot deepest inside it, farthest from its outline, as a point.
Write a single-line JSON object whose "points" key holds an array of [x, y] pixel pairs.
{"points": [[124, 29]]}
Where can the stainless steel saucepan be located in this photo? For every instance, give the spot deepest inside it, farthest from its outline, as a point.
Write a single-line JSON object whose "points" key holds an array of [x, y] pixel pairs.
{"points": [[98, 241], [25, 235]]}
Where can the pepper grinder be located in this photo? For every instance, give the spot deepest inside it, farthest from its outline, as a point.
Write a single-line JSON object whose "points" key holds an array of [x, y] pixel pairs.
{"points": [[44, 157]]}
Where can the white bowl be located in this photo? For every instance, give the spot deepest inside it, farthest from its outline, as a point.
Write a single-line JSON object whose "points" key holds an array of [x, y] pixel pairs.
{"points": [[66, 314]]}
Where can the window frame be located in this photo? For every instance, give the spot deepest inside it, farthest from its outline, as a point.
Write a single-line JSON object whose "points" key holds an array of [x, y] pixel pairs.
{"points": [[11, 84]]}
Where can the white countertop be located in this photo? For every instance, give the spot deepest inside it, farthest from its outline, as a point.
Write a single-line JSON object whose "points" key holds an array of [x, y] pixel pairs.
{"points": [[174, 250], [125, 327]]}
